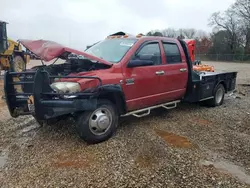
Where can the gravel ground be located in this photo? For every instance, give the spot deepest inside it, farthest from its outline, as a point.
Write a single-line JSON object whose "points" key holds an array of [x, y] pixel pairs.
{"points": [[190, 146]]}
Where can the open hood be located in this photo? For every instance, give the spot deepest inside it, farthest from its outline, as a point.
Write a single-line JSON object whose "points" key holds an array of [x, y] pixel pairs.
{"points": [[49, 50]]}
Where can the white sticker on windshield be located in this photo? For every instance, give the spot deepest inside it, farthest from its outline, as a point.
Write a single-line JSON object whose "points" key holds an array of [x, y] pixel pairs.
{"points": [[129, 44]]}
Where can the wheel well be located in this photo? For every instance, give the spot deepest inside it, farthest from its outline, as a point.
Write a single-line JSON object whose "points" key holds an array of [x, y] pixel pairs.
{"points": [[224, 85], [117, 99]]}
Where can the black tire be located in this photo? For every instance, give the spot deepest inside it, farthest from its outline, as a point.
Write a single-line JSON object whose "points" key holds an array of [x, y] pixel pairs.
{"points": [[94, 134], [219, 94]]}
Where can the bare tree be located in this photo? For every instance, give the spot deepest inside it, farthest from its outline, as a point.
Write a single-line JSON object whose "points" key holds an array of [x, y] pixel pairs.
{"points": [[158, 33], [169, 32], [150, 33], [178, 33], [242, 9], [200, 34], [155, 33], [189, 33], [229, 22]]}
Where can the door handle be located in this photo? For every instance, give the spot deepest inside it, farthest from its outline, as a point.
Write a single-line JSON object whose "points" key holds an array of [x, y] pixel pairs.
{"points": [[183, 70], [159, 72]]}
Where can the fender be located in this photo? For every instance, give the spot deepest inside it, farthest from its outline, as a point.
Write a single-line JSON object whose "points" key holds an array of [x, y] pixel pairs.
{"points": [[220, 82], [115, 94]]}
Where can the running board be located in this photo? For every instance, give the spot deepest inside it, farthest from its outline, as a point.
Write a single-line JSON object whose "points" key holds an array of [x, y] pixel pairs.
{"points": [[147, 110], [206, 99]]}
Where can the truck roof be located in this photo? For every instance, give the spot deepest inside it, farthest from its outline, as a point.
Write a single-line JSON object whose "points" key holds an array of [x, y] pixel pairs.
{"points": [[139, 36], [142, 37]]}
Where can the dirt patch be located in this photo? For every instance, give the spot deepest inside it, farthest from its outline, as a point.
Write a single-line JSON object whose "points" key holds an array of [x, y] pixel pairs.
{"points": [[75, 159], [144, 161], [174, 140], [199, 121]]}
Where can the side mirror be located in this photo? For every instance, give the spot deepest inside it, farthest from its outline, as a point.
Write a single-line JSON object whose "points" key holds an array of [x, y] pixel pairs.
{"points": [[141, 60], [138, 63]]}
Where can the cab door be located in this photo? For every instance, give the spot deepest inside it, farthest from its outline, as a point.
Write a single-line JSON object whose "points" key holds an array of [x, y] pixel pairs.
{"points": [[175, 76], [142, 84]]}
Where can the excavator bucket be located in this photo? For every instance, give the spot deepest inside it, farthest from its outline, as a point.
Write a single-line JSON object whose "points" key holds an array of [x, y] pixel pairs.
{"points": [[3, 37]]}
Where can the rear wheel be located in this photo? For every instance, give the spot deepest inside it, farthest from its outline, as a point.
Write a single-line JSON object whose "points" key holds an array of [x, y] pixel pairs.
{"points": [[219, 94], [98, 125]]}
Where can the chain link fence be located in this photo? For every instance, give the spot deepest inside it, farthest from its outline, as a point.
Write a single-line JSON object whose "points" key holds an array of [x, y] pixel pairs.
{"points": [[224, 57]]}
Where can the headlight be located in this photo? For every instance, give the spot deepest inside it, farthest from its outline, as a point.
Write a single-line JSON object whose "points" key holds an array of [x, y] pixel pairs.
{"points": [[66, 87]]}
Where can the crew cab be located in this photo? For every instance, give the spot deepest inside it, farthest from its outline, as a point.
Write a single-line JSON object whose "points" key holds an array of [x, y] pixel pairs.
{"points": [[116, 77]]}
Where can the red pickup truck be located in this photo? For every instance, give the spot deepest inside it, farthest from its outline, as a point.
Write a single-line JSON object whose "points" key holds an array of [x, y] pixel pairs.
{"points": [[116, 77]]}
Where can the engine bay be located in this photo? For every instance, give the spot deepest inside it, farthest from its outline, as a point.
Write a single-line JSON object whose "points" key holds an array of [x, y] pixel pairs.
{"points": [[72, 65]]}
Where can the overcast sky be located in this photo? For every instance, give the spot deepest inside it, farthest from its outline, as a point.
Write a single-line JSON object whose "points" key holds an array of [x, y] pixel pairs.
{"points": [[77, 23]]}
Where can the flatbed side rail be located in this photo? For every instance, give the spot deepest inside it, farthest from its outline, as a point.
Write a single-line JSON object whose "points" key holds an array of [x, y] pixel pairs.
{"points": [[203, 88]]}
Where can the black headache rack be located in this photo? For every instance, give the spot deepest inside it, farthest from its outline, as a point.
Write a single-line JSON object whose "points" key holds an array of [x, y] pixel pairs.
{"points": [[34, 96]]}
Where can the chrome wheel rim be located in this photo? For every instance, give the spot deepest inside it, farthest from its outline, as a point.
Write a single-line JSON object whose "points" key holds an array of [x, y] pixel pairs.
{"points": [[100, 121], [219, 95]]}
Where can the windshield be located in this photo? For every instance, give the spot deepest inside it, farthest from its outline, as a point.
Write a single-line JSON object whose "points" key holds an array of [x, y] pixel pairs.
{"points": [[111, 50]]}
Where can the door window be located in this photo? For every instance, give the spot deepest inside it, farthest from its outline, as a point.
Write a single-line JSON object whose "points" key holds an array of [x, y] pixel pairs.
{"points": [[172, 53], [151, 49]]}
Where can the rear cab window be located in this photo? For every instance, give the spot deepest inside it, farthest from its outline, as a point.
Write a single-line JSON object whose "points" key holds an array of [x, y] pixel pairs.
{"points": [[172, 53]]}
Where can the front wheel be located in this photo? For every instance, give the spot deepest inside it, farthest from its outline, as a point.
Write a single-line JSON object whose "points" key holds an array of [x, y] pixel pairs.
{"points": [[98, 125]]}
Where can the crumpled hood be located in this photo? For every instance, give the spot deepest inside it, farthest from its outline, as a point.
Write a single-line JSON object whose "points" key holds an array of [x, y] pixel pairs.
{"points": [[49, 50]]}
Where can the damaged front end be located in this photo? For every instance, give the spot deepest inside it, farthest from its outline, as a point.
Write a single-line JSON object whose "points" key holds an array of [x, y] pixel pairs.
{"points": [[50, 91], [40, 100]]}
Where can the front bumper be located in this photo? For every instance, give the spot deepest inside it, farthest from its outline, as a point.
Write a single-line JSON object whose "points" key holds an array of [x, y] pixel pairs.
{"points": [[46, 109], [36, 97]]}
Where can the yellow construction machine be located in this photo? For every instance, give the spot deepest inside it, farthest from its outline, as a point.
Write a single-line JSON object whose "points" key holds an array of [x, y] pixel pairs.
{"points": [[12, 56]]}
